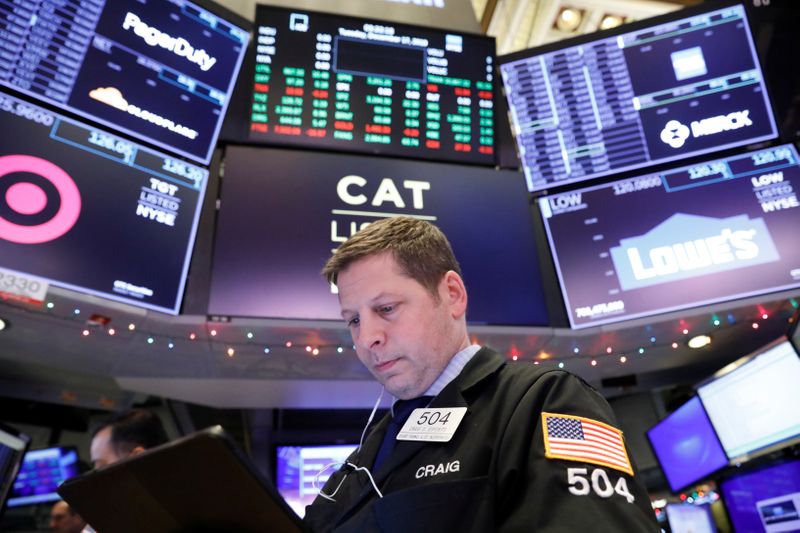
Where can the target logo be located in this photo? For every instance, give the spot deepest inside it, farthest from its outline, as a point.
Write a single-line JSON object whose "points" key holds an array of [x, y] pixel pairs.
{"points": [[39, 202]]}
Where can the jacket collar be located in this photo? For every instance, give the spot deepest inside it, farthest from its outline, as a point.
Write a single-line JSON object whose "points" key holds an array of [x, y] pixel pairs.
{"points": [[485, 363]]}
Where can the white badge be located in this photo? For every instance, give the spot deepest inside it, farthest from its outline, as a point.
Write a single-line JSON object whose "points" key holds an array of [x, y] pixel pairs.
{"points": [[432, 424]]}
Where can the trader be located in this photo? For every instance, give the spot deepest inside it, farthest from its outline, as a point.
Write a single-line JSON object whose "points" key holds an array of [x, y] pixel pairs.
{"points": [[491, 446], [125, 434], [64, 520]]}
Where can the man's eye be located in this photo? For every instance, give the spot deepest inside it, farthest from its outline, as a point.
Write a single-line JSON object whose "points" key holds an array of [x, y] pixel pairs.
{"points": [[353, 322], [386, 309]]}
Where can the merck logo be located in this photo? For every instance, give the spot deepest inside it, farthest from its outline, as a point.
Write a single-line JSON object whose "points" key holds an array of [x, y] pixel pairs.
{"points": [[675, 133], [707, 245]]}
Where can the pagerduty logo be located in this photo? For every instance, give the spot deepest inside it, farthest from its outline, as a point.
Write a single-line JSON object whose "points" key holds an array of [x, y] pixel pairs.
{"points": [[687, 246], [675, 133], [177, 45]]}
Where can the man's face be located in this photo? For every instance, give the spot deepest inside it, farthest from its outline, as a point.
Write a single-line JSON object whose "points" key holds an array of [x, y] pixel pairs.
{"points": [[102, 449], [402, 334], [62, 520]]}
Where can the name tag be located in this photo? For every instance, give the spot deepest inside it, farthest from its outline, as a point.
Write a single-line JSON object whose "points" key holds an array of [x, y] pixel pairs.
{"points": [[432, 424]]}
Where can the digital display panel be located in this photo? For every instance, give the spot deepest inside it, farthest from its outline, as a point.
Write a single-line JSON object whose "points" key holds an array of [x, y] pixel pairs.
{"points": [[688, 518], [12, 450], [766, 500], [681, 238], [41, 473], [686, 446], [342, 83], [160, 70], [92, 212], [794, 332], [299, 468], [277, 227], [755, 406], [666, 91]]}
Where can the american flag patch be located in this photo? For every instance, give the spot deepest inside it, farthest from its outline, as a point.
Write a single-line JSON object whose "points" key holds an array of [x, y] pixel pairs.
{"points": [[574, 438]]}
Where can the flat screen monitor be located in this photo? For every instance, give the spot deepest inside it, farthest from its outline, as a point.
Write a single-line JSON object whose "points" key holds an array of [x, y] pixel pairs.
{"points": [[277, 227], [681, 238], [766, 500], [687, 518], [754, 407], [302, 470], [661, 90], [794, 331], [41, 473], [12, 450], [160, 70], [90, 211], [686, 445], [343, 83]]}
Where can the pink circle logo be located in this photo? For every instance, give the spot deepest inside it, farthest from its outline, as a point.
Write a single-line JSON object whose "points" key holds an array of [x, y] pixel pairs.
{"points": [[27, 199]]}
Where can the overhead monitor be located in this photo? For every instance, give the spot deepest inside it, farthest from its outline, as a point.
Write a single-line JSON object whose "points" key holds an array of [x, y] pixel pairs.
{"points": [[686, 446], [300, 471], [682, 238], [160, 70], [90, 211], [688, 518], [41, 473], [362, 85], [764, 500], [12, 450], [664, 89], [794, 331], [277, 227], [754, 405]]}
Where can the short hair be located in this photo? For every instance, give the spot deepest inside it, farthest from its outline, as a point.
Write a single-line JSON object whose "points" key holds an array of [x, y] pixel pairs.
{"points": [[421, 250], [133, 428]]}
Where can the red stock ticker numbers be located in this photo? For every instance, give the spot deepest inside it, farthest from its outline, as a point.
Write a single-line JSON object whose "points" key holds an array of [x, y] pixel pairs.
{"points": [[341, 83]]}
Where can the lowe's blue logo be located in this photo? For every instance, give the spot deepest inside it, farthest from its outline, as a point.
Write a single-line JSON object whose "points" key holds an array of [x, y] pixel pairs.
{"points": [[686, 246]]}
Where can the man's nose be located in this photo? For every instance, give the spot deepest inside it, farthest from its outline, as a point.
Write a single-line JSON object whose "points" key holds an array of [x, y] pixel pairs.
{"points": [[372, 333]]}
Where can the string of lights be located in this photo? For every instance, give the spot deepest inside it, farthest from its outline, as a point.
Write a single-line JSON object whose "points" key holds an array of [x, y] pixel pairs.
{"points": [[97, 324]]}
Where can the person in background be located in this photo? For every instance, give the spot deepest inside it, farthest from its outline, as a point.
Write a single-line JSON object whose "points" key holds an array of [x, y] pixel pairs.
{"points": [[64, 520], [491, 446], [125, 434]]}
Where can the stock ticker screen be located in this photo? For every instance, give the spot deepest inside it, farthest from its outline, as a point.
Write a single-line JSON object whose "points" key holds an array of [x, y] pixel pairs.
{"points": [[342, 83], [92, 212], [667, 91], [160, 70], [681, 238]]}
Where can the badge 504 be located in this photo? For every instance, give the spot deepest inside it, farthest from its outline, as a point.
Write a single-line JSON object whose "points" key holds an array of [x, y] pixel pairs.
{"points": [[433, 425]]}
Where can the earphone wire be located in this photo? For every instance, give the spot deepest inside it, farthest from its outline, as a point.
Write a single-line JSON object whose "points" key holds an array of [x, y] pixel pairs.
{"points": [[351, 465]]}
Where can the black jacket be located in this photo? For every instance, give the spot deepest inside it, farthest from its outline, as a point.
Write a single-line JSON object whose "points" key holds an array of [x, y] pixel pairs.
{"points": [[493, 475]]}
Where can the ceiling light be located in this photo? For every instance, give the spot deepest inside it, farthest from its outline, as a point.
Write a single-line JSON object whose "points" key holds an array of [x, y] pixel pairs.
{"points": [[699, 341], [569, 19], [610, 21]]}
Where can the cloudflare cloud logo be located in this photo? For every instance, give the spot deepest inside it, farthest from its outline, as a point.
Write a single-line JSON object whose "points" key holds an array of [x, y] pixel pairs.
{"points": [[113, 97]]}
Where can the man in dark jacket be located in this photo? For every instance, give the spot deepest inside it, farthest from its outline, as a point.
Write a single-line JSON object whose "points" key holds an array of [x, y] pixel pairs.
{"points": [[473, 443]]}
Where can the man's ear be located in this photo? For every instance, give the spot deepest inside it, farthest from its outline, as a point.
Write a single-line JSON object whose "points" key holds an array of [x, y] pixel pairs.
{"points": [[137, 450], [454, 293]]}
